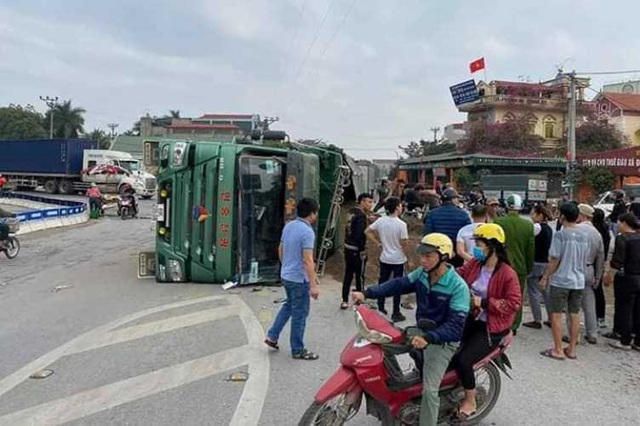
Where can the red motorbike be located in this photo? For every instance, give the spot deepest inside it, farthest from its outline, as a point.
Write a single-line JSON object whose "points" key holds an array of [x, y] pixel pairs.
{"points": [[370, 370]]}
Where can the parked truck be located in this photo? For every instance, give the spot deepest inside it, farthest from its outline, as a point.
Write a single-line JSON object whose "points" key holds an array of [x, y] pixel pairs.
{"points": [[531, 187], [68, 166], [222, 206]]}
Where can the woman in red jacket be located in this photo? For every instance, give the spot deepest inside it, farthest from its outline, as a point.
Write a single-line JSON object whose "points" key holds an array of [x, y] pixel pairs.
{"points": [[496, 298]]}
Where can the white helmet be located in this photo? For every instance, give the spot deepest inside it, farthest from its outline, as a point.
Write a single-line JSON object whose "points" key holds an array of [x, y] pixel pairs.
{"points": [[514, 202]]}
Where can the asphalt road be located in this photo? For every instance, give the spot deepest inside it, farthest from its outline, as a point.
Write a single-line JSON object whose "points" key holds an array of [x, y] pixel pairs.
{"points": [[133, 352]]}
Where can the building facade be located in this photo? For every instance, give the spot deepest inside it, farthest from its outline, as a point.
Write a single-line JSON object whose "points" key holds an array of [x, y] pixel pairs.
{"points": [[543, 105], [622, 110], [629, 87], [218, 126]]}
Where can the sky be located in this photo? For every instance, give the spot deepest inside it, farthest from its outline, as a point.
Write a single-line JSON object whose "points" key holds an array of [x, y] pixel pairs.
{"points": [[365, 75]]}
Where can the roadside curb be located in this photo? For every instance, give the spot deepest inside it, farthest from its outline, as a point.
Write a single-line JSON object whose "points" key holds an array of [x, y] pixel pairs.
{"points": [[45, 212]]}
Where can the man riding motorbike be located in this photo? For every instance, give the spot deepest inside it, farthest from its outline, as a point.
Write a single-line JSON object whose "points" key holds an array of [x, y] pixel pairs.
{"points": [[128, 193], [443, 298], [4, 228]]}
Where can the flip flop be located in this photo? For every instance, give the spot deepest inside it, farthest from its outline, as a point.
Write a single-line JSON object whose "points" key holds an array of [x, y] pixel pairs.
{"points": [[566, 353], [271, 344], [344, 305], [549, 354], [463, 417]]}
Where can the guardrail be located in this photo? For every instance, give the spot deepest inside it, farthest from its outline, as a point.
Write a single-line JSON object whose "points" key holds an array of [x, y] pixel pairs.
{"points": [[46, 218]]}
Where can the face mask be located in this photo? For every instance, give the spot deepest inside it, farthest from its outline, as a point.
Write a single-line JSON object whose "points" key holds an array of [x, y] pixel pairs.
{"points": [[478, 254]]}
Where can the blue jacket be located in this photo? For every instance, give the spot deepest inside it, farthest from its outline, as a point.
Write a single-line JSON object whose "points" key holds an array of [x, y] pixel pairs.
{"points": [[447, 219], [446, 302]]}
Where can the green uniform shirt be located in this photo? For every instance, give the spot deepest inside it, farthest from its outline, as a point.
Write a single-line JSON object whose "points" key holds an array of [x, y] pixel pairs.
{"points": [[520, 242]]}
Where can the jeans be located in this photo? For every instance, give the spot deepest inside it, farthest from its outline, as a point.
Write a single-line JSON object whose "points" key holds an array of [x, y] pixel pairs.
{"points": [[436, 362], [534, 293], [386, 269], [296, 308], [354, 264]]}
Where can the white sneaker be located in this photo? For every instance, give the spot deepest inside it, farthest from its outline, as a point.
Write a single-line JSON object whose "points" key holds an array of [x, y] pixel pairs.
{"points": [[618, 345], [602, 323]]}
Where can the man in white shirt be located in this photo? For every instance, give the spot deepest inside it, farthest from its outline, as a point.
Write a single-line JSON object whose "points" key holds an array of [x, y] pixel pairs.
{"points": [[391, 234], [465, 241]]}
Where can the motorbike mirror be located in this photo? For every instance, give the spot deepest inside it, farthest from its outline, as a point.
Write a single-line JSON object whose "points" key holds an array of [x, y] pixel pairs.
{"points": [[426, 324]]}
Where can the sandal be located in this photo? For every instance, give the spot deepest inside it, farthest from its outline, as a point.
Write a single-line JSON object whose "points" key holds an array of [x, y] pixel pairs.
{"points": [[463, 417], [566, 353], [306, 355], [271, 343], [344, 305], [549, 354]]}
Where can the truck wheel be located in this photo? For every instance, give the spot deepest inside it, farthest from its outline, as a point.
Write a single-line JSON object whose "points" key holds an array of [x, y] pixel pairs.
{"points": [[65, 187], [51, 186]]}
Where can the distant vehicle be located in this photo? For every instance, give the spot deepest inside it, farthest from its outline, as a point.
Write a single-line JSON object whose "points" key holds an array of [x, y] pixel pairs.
{"points": [[606, 200], [69, 166]]}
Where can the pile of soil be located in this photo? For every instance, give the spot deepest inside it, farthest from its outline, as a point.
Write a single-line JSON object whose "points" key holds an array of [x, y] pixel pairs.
{"points": [[335, 263]]}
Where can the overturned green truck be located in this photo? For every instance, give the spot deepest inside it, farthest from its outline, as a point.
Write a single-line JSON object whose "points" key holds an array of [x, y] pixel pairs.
{"points": [[222, 206]]}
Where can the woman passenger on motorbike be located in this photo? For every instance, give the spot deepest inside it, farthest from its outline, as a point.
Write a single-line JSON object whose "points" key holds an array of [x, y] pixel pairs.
{"points": [[495, 300]]}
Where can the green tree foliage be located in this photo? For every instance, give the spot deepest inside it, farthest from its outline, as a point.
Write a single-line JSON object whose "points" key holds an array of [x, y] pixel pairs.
{"points": [[68, 121], [595, 136], [17, 122], [424, 148], [514, 135], [601, 179], [464, 178], [100, 136]]}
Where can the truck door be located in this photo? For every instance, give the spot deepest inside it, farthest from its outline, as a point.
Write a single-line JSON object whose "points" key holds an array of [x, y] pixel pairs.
{"points": [[303, 180], [260, 218]]}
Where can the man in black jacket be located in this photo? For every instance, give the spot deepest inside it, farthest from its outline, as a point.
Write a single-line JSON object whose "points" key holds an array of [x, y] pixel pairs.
{"points": [[355, 255], [619, 208]]}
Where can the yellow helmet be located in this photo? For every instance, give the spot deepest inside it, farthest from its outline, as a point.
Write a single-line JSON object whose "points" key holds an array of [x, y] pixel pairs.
{"points": [[436, 242], [490, 231]]}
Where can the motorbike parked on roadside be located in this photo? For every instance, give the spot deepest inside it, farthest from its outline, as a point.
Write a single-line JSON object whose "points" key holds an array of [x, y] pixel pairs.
{"points": [[127, 207], [370, 371], [11, 246]]}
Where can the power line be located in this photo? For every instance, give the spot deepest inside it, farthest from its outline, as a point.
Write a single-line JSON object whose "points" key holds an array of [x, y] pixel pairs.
{"points": [[295, 32], [607, 72]]}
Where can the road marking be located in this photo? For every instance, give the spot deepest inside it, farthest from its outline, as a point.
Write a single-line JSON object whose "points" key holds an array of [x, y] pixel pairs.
{"points": [[92, 401]]}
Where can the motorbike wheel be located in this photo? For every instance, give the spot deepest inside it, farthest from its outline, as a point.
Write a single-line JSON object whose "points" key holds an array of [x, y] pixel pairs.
{"points": [[331, 413], [13, 248], [488, 385]]}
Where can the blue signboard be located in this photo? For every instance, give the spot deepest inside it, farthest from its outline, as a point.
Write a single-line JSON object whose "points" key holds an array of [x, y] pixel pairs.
{"points": [[464, 92]]}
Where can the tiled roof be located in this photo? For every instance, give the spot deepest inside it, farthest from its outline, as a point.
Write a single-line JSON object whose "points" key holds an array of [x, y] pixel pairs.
{"points": [[626, 101]]}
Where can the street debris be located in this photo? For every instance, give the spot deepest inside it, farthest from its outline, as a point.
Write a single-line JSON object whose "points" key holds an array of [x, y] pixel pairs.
{"points": [[257, 289], [229, 284], [41, 374], [239, 376], [61, 287]]}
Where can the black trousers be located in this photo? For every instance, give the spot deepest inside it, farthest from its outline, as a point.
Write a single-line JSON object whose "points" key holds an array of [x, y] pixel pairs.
{"points": [[617, 299], [4, 231], [354, 264], [601, 304], [476, 344], [629, 309], [386, 270]]}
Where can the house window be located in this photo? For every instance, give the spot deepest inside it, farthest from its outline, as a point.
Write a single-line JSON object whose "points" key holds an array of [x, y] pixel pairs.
{"points": [[549, 127]]}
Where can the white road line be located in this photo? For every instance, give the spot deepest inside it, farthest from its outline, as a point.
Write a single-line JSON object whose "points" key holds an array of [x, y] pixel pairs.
{"points": [[105, 397], [157, 327], [249, 408], [22, 374]]}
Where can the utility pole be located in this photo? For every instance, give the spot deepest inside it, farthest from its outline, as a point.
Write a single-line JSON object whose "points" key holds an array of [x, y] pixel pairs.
{"points": [[112, 126], [435, 131], [571, 134], [51, 102]]}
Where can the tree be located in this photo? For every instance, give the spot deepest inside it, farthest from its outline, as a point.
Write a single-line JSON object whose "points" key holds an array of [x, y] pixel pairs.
{"points": [[100, 136], [601, 179], [513, 135], [595, 136], [424, 148], [174, 113], [464, 178], [68, 121], [17, 122]]}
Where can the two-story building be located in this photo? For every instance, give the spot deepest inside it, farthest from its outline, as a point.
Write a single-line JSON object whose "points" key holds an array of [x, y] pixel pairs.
{"points": [[622, 110], [544, 105]]}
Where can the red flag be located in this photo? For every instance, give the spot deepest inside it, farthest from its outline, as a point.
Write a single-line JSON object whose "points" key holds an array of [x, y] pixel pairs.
{"points": [[476, 65]]}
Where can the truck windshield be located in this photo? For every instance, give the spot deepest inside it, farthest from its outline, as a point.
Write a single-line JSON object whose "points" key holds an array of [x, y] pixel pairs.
{"points": [[131, 165]]}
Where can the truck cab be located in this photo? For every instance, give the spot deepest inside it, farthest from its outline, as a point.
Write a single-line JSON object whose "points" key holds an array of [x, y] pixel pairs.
{"points": [[222, 206], [128, 170]]}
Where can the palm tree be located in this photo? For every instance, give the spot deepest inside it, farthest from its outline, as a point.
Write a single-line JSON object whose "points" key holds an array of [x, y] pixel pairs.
{"points": [[174, 113], [68, 122]]}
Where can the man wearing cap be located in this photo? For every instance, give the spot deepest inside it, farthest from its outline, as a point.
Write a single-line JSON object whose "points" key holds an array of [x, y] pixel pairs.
{"points": [[493, 208], [448, 219], [520, 244], [594, 269]]}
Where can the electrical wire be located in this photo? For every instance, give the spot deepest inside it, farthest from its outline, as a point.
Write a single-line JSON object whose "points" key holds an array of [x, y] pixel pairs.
{"points": [[606, 72]]}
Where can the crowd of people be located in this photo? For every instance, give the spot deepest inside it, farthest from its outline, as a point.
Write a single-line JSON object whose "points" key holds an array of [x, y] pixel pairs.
{"points": [[474, 270]]}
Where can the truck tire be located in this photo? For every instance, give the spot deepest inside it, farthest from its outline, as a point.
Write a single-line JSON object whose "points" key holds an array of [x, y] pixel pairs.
{"points": [[65, 187], [51, 186]]}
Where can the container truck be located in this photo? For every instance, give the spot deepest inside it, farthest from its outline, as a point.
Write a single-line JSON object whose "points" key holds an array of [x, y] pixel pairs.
{"points": [[222, 206], [69, 165]]}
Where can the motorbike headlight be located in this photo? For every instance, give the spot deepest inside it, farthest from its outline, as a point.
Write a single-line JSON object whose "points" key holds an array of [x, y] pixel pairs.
{"points": [[175, 270], [372, 336]]}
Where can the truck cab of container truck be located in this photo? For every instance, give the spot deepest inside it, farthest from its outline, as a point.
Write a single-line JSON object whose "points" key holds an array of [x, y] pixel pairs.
{"points": [[130, 171], [222, 206]]}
